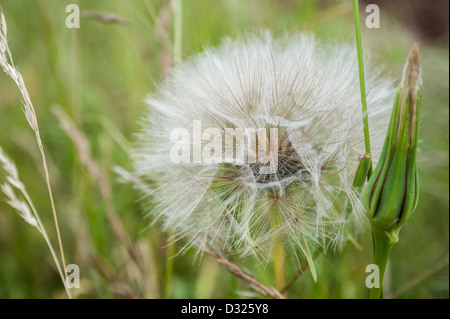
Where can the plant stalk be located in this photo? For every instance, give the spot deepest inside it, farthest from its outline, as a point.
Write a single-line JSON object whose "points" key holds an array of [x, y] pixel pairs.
{"points": [[177, 57], [362, 83], [278, 261], [382, 246]]}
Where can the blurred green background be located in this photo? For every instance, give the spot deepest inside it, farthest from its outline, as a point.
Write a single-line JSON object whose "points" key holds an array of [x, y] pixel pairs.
{"points": [[100, 74]]}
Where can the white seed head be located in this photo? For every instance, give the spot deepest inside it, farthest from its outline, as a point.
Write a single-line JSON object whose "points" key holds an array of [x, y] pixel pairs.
{"points": [[309, 92]]}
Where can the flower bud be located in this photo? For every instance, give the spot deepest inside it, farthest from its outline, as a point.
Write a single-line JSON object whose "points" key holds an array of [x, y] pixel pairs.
{"points": [[392, 192]]}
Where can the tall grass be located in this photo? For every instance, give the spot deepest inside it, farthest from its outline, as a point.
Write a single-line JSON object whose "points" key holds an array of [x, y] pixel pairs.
{"points": [[7, 64]]}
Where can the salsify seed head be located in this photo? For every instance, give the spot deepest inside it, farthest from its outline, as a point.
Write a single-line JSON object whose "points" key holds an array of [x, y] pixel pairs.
{"points": [[297, 101]]}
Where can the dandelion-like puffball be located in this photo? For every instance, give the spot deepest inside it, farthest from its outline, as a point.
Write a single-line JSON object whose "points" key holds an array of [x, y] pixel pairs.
{"points": [[293, 108]]}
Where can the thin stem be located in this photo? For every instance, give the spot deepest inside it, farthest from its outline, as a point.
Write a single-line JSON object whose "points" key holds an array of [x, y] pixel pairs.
{"points": [[178, 31], [55, 217], [382, 246], [253, 283], [420, 277], [42, 230], [278, 261], [10, 69], [177, 56], [170, 252], [301, 270], [362, 83]]}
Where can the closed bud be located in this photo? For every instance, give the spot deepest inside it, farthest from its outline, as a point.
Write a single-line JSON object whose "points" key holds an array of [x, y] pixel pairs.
{"points": [[392, 192]]}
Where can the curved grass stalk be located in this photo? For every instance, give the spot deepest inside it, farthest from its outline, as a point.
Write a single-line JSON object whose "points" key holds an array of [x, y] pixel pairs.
{"points": [[7, 64], [23, 208], [362, 81]]}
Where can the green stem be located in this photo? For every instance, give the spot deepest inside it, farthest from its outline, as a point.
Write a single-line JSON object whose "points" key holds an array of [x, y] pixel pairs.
{"points": [[170, 252], [278, 260], [382, 245], [178, 31], [362, 83], [177, 54]]}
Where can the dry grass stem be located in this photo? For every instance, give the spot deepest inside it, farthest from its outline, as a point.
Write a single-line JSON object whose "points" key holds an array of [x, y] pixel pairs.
{"points": [[253, 283], [302, 269], [24, 206], [135, 269], [104, 17], [7, 64]]}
